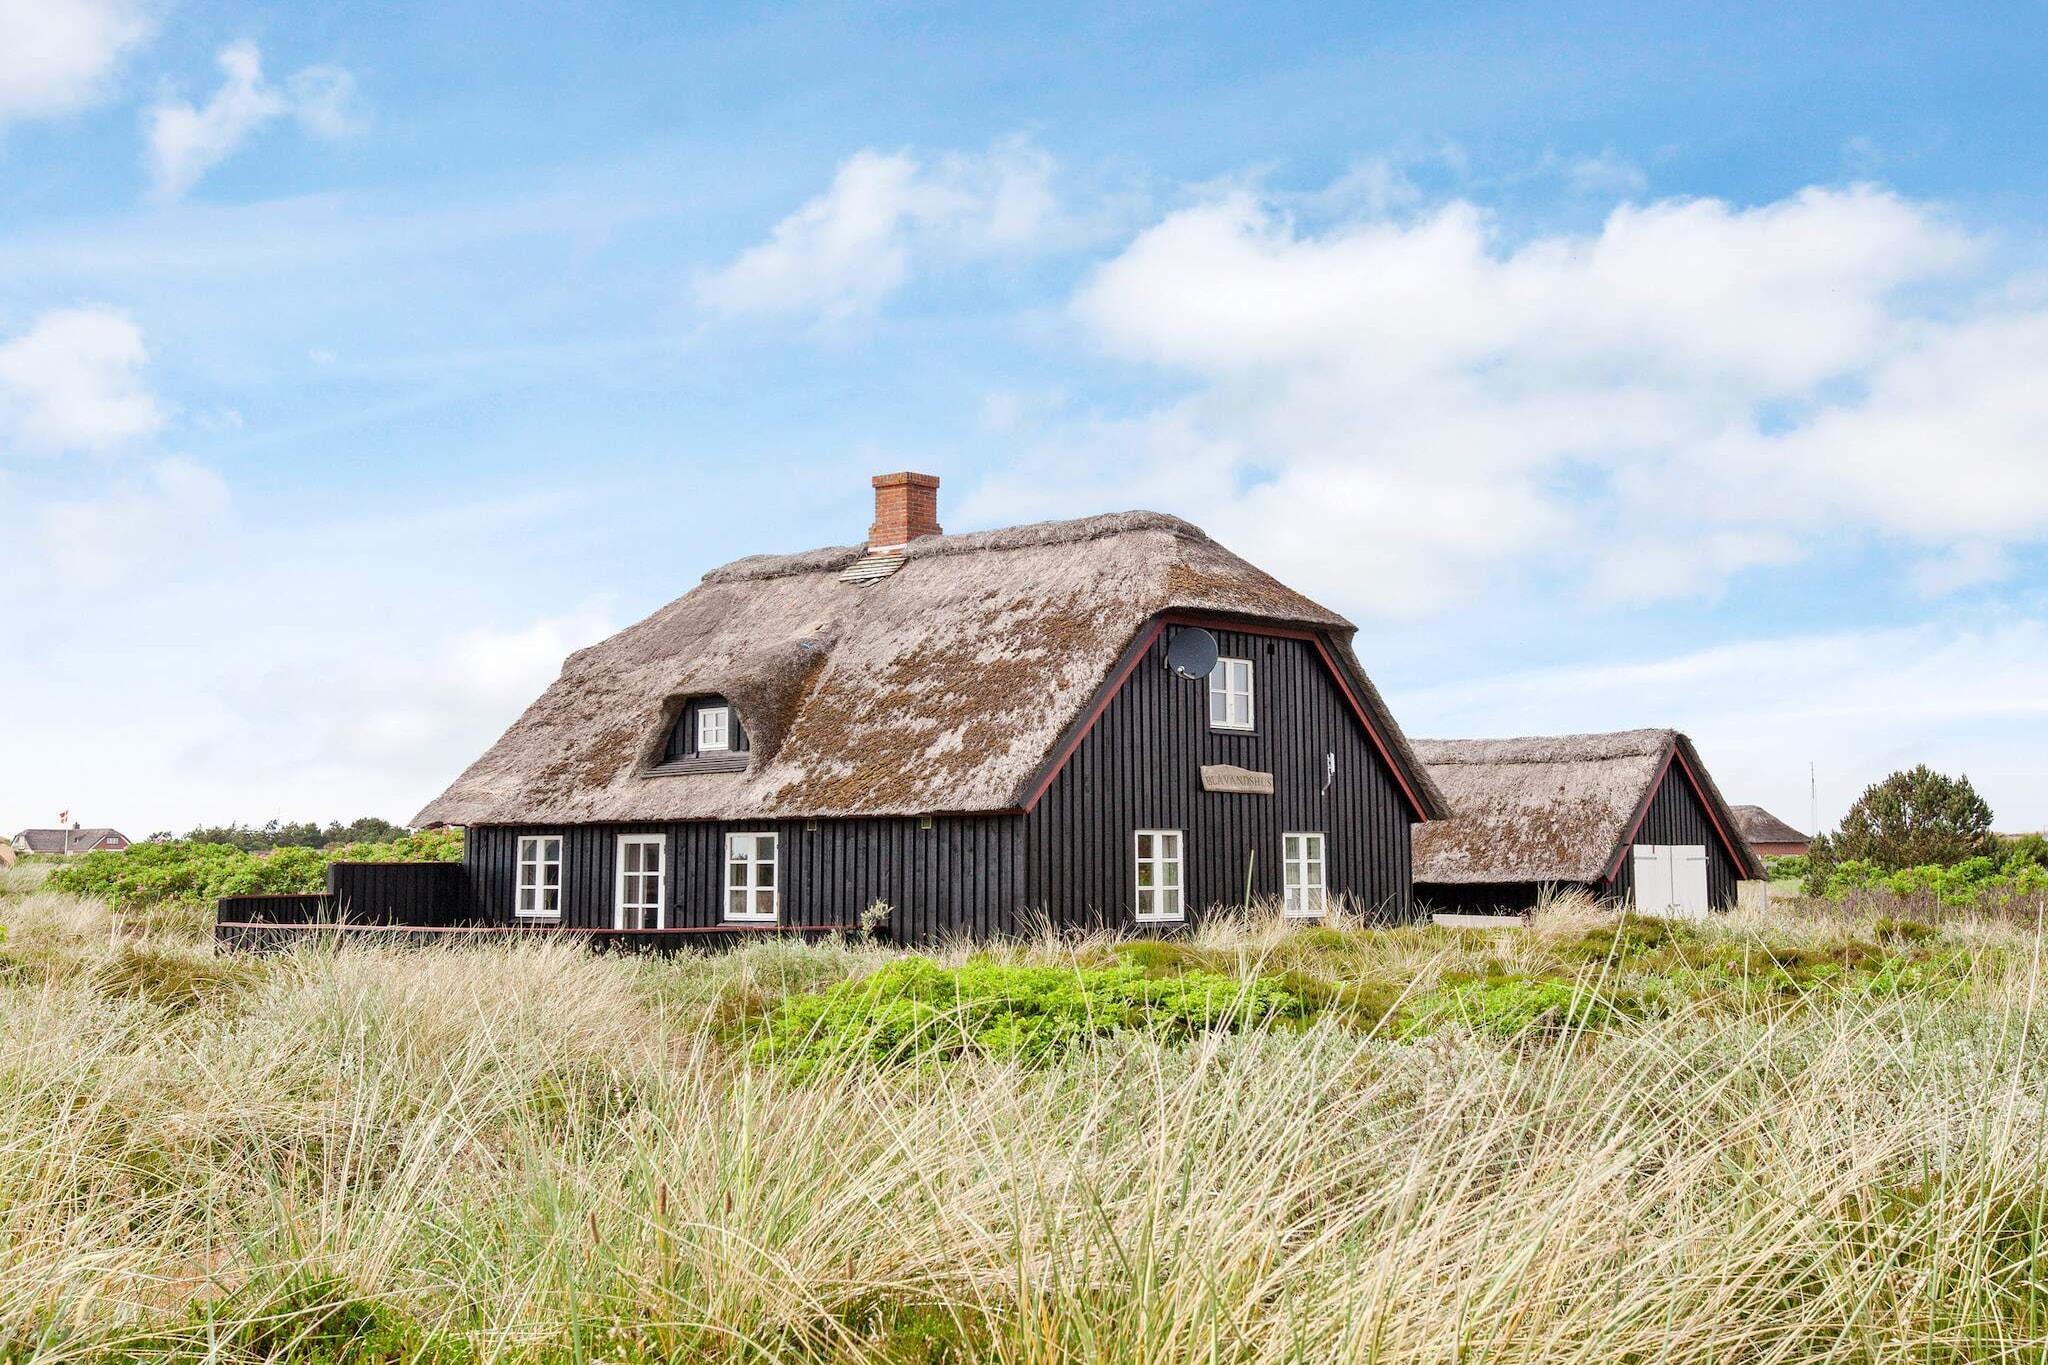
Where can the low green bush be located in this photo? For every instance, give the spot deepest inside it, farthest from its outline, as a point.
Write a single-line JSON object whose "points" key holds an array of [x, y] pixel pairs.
{"points": [[1508, 1005], [1973, 881], [301, 1318], [915, 1010], [1792, 868], [182, 872]]}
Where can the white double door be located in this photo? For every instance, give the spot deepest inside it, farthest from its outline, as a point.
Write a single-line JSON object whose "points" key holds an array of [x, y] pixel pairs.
{"points": [[1671, 879]]}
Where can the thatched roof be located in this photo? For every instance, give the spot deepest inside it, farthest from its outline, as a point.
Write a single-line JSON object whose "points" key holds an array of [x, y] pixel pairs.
{"points": [[1548, 809], [943, 688], [1759, 826], [65, 840]]}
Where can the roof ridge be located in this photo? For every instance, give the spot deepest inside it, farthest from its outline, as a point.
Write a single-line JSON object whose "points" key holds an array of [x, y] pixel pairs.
{"points": [[837, 558], [1538, 750]]}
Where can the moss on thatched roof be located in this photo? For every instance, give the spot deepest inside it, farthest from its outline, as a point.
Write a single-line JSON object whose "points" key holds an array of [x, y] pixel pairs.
{"points": [[942, 688], [1549, 808]]}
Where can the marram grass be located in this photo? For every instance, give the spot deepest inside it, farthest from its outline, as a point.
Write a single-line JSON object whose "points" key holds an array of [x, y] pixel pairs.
{"points": [[1760, 1148]]}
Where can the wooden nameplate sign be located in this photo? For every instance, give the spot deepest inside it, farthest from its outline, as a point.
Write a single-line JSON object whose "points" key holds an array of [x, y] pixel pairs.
{"points": [[1222, 777]]}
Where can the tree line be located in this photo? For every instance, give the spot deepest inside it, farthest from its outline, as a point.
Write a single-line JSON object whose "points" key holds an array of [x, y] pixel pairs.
{"points": [[290, 834]]}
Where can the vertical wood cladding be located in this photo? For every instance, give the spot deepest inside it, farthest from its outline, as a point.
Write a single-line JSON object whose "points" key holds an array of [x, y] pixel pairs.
{"points": [[1070, 860], [1140, 768], [1677, 816], [960, 878]]}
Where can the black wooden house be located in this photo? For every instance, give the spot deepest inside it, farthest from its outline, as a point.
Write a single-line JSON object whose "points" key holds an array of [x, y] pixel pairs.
{"points": [[1111, 722], [1632, 817]]}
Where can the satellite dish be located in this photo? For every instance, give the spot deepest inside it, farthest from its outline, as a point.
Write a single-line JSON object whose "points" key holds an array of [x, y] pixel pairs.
{"points": [[1191, 653]]}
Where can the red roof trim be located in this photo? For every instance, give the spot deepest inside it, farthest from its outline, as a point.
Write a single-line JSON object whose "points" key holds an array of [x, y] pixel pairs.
{"points": [[1143, 645], [1643, 813], [1103, 697]]}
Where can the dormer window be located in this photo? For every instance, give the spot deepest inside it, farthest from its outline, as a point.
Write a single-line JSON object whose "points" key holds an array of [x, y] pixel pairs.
{"points": [[707, 735], [1230, 695]]}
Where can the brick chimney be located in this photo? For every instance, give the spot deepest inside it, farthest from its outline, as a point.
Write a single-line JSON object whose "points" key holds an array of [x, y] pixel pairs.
{"points": [[906, 507]]}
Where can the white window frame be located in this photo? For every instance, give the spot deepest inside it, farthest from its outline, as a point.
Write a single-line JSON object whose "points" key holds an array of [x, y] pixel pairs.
{"points": [[1221, 686], [533, 852], [751, 882], [620, 916], [1304, 880], [710, 739], [1145, 899]]}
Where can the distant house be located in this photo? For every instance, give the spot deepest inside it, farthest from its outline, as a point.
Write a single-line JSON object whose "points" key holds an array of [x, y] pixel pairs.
{"points": [[75, 840], [1768, 835], [1630, 817], [1106, 723]]}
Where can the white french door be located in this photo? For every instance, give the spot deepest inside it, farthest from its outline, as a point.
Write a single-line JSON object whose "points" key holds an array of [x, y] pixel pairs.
{"points": [[641, 881]]}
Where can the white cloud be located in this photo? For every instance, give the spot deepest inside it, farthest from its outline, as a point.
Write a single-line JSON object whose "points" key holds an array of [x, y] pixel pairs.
{"points": [[57, 56], [1967, 565], [402, 720], [73, 382], [210, 709], [1395, 412], [98, 542], [840, 255], [324, 100], [1608, 174], [1856, 704], [186, 141]]}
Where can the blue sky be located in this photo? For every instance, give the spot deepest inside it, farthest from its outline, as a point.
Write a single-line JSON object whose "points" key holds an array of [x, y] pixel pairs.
{"points": [[1609, 364]]}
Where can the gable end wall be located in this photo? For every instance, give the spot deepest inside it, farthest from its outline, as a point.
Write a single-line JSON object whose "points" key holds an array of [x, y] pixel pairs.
{"points": [[1139, 767], [1677, 816]]}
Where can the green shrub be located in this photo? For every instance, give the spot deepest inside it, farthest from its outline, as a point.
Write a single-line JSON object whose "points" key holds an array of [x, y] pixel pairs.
{"points": [[914, 1010], [302, 1318], [179, 872], [1790, 868], [1508, 1005], [1972, 881]]}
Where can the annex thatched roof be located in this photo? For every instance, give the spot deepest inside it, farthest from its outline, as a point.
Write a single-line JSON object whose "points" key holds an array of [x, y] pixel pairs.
{"points": [[942, 688], [1546, 809], [1759, 826]]}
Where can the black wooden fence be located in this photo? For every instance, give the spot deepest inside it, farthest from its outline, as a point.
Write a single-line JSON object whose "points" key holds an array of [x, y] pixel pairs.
{"points": [[411, 895], [313, 907], [427, 895]]}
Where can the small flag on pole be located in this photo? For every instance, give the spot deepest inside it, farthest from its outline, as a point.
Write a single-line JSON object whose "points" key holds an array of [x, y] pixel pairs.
{"points": [[63, 817]]}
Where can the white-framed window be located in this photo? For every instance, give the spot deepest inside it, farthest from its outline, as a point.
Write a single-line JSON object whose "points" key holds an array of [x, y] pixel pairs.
{"points": [[1305, 891], [1162, 898], [642, 878], [1230, 694], [752, 890], [714, 729], [540, 877]]}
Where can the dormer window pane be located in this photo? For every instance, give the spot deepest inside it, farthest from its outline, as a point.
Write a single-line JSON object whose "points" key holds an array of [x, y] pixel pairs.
{"points": [[714, 729]]}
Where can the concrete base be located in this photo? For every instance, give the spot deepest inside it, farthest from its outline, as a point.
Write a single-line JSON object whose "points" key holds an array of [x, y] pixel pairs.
{"points": [[1479, 921]]}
